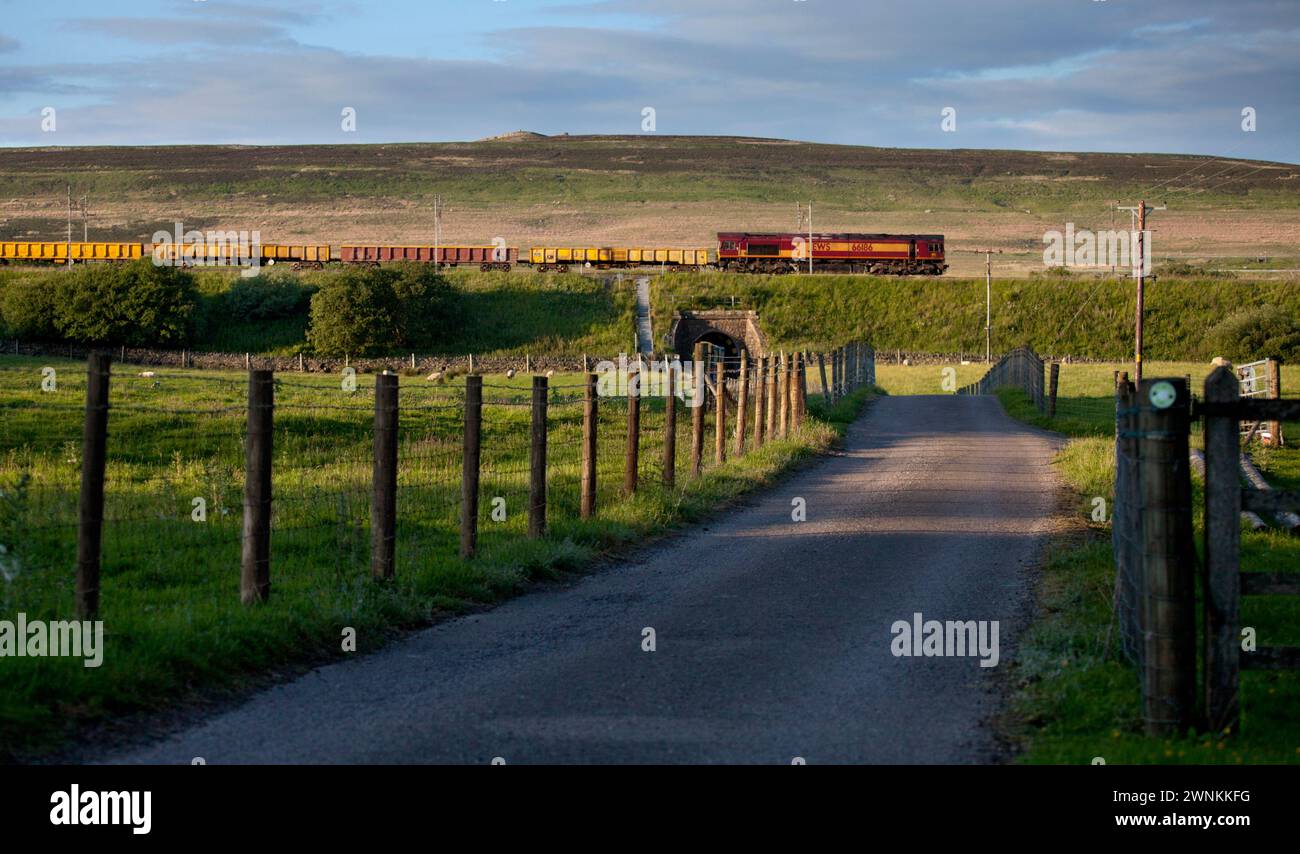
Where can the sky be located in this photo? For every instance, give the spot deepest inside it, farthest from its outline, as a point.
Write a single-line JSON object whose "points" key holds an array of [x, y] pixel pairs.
{"points": [[1053, 75]]}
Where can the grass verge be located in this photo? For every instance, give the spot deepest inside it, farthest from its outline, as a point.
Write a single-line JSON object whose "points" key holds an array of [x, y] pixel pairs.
{"points": [[174, 628], [1076, 698]]}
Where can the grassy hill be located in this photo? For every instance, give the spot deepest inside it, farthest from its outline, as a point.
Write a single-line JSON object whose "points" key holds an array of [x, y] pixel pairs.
{"points": [[649, 188]]}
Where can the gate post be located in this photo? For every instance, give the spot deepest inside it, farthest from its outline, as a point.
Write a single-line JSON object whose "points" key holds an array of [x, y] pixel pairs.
{"points": [[1051, 390], [1221, 581], [1169, 671]]}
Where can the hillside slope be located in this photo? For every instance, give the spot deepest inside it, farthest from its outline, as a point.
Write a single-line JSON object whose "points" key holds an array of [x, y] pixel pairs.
{"points": [[677, 190]]}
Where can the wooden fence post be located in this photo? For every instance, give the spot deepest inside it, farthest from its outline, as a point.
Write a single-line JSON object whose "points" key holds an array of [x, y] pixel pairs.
{"points": [[471, 450], [720, 424], [537, 460], [791, 395], [90, 504], [1274, 369], [383, 506], [590, 413], [1051, 389], [760, 401], [1169, 672], [632, 452], [783, 395], [835, 376], [698, 399], [1221, 581], [802, 387], [821, 368], [255, 564], [742, 404], [1126, 525], [670, 423], [769, 394]]}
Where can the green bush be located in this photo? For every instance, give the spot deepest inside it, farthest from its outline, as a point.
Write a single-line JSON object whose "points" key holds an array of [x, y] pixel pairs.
{"points": [[430, 306], [265, 297], [1256, 333], [369, 312], [137, 304], [27, 309]]}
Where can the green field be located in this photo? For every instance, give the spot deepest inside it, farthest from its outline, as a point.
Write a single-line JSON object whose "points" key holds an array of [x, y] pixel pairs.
{"points": [[174, 626]]}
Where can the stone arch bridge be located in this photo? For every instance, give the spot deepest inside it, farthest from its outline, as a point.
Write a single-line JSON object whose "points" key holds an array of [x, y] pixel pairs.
{"points": [[733, 330]]}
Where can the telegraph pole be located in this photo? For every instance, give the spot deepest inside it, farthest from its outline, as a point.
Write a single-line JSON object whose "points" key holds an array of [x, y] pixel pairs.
{"points": [[68, 245], [988, 301], [85, 218], [810, 243], [437, 227], [1139, 214]]}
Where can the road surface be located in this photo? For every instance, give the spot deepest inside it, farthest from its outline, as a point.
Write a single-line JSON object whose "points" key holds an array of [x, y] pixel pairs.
{"points": [[772, 637]]}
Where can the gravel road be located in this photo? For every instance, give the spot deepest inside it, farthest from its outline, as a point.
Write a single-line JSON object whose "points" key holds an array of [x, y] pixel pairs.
{"points": [[772, 637]]}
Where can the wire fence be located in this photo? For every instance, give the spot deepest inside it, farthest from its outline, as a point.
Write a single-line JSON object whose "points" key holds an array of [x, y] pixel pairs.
{"points": [[1021, 368], [151, 478]]}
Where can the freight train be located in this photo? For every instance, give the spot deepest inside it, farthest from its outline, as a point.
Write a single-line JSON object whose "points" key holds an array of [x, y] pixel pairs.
{"points": [[746, 252]]}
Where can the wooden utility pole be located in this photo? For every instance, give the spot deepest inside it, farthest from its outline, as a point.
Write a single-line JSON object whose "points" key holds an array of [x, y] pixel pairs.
{"points": [[68, 246], [1140, 214], [810, 237], [988, 300], [437, 232]]}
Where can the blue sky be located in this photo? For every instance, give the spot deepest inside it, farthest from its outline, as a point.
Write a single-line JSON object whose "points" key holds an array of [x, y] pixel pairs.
{"points": [[1106, 75]]}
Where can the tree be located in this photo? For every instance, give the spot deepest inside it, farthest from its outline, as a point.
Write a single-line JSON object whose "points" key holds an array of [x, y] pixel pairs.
{"points": [[137, 304], [369, 312], [354, 313]]}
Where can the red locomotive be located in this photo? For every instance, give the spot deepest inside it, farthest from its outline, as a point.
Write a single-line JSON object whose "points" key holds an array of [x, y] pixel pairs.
{"points": [[787, 252]]}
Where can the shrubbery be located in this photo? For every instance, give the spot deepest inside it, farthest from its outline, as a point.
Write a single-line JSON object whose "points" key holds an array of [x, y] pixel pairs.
{"points": [[373, 311], [135, 304], [1257, 333], [265, 297]]}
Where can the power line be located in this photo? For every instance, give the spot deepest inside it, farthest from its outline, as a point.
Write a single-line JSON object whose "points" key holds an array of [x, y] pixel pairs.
{"points": [[1208, 177], [1148, 190], [1234, 178]]}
